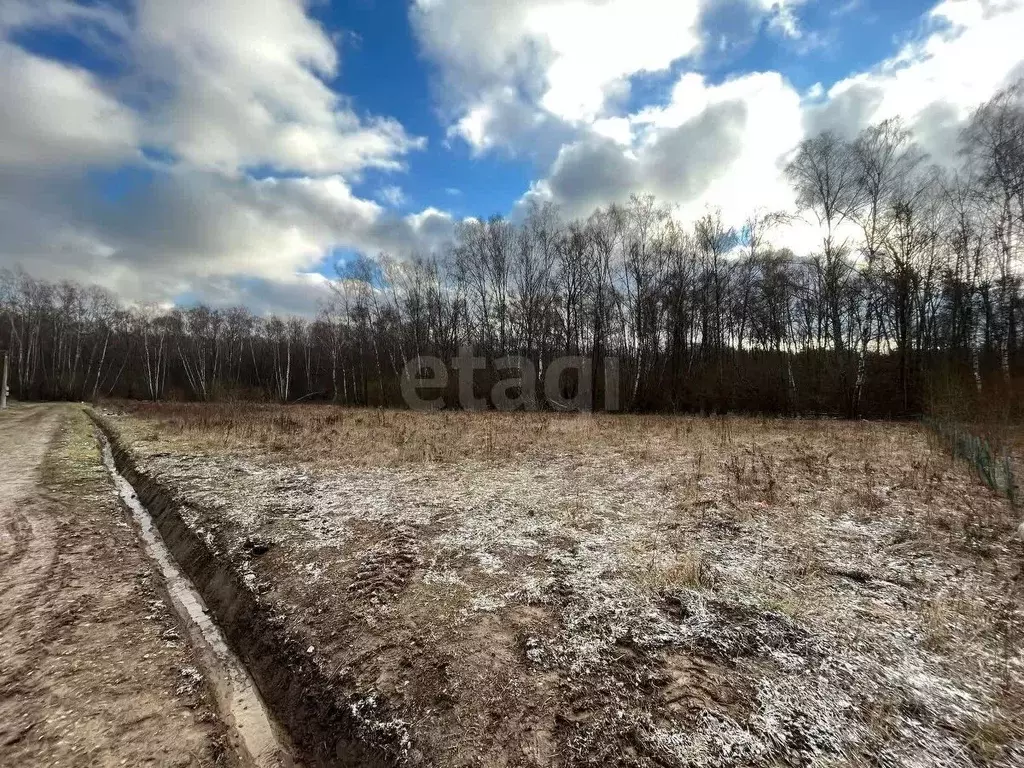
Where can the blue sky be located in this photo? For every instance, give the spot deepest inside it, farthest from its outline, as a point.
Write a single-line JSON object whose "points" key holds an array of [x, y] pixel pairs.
{"points": [[226, 151]]}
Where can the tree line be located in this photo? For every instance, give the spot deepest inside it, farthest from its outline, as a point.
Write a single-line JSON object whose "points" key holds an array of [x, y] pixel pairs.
{"points": [[912, 298]]}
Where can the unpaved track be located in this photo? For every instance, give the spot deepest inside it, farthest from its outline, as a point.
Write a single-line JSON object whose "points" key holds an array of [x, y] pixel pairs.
{"points": [[92, 672], [27, 546]]}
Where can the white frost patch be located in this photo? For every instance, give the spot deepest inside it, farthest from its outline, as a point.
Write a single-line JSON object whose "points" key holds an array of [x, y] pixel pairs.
{"points": [[487, 603], [377, 728], [442, 578], [489, 563]]}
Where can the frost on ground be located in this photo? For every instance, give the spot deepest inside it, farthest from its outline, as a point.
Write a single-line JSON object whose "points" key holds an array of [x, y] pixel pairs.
{"points": [[641, 591]]}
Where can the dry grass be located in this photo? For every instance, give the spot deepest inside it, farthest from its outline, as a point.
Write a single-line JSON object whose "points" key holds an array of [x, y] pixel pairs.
{"points": [[689, 570], [377, 437], [630, 590]]}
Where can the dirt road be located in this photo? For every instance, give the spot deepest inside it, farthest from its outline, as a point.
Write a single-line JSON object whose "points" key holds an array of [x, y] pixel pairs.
{"points": [[92, 669]]}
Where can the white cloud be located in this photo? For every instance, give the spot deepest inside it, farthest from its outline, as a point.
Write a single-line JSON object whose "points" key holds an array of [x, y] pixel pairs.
{"points": [[392, 195], [248, 88], [971, 49], [511, 66], [618, 129], [217, 87], [512, 70], [199, 231], [223, 86], [711, 144], [428, 230], [725, 145], [53, 115], [16, 14], [302, 293], [784, 21], [595, 46]]}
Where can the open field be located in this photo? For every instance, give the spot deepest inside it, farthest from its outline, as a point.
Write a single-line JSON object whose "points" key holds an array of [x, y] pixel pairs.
{"points": [[541, 590]]}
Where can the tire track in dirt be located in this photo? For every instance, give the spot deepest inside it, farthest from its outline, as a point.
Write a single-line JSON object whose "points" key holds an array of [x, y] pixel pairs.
{"points": [[28, 547]]}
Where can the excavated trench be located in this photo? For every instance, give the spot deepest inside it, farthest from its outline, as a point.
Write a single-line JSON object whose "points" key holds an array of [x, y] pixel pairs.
{"points": [[282, 709], [257, 738]]}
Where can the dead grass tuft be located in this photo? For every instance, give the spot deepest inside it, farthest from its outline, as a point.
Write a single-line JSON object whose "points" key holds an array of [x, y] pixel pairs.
{"points": [[689, 570]]}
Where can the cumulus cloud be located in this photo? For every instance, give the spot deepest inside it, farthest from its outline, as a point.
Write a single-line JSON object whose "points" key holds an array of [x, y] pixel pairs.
{"points": [[589, 173], [718, 144], [220, 84], [187, 230], [675, 163], [247, 83], [243, 157], [502, 119], [843, 112], [682, 162], [213, 88], [428, 230], [53, 115], [509, 67], [726, 144], [514, 71], [968, 51], [302, 293]]}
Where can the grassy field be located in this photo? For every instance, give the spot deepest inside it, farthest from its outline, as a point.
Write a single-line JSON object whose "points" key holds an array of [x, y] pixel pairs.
{"points": [[546, 589]]}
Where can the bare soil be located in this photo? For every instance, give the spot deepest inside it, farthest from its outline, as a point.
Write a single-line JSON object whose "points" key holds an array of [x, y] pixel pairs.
{"points": [[93, 671], [544, 590]]}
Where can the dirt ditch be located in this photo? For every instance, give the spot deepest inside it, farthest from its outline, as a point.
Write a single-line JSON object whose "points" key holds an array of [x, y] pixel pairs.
{"points": [[303, 720], [258, 739]]}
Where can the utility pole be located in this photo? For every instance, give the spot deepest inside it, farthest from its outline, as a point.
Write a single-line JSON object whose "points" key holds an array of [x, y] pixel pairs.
{"points": [[3, 383]]}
